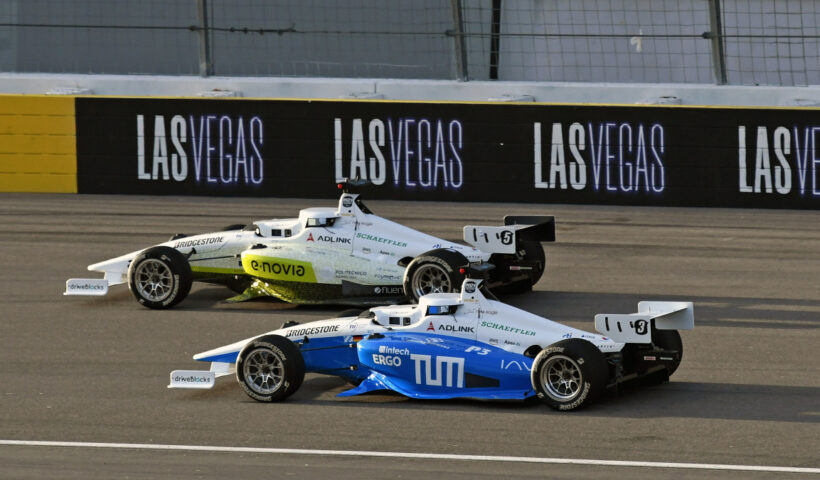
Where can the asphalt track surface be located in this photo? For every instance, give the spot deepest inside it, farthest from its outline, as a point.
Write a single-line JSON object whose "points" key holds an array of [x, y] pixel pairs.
{"points": [[95, 370]]}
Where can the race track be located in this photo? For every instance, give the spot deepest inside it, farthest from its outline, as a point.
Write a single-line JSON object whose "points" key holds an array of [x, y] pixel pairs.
{"points": [[94, 370]]}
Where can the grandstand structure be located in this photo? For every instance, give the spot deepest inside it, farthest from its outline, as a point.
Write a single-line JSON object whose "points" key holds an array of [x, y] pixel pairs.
{"points": [[654, 51]]}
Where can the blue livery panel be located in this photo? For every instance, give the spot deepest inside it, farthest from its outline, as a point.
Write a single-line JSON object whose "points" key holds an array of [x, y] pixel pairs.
{"points": [[438, 367]]}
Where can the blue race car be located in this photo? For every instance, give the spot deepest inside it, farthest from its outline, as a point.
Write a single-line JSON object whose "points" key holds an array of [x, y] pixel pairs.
{"points": [[455, 345]]}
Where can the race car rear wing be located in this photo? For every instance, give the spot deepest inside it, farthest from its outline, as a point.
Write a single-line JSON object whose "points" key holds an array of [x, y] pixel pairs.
{"points": [[517, 228], [637, 327]]}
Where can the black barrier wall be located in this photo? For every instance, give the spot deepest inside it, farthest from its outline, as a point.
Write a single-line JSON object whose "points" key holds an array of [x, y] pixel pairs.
{"points": [[627, 155]]}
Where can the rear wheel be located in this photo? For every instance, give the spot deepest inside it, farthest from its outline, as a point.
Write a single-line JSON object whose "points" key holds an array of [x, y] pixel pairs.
{"points": [[270, 368], [436, 271], [569, 374], [160, 277]]}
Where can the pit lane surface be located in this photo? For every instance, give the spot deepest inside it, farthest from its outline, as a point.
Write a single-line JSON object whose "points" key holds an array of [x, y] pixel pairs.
{"points": [[76, 369]]}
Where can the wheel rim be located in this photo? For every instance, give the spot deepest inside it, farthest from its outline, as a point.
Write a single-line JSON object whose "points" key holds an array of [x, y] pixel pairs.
{"points": [[561, 378], [430, 278], [264, 371], [154, 280]]}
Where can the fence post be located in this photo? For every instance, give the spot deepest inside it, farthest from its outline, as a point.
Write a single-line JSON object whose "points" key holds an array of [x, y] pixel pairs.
{"points": [[206, 65], [462, 74], [716, 36]]}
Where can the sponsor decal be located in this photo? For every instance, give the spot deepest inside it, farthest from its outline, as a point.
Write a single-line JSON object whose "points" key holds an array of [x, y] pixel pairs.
{"points": [[347, 202], [377, 239], [299, 332], [366, 251], [493, 341], [191, 379], [498, 326], [198, 242], [386, 349], [328, 239], [389, 290], [510, 342], [455, 328], [389, 360], [386, 253], [615, 157], [516, 365], [431, 328], [477, 350], [278, 268], [384, 276], [568, 335], [469, 287], [438, 371], [409, 151], [649, 358], [87, 286], [350, 273]]}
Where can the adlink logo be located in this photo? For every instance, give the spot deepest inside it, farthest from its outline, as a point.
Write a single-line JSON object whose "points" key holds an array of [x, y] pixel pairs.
{"points": [[278, 268], [456, 328]]}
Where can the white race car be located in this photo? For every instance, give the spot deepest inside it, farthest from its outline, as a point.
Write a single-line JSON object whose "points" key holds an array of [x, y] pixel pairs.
{"points": [[326, 255], [453, 345]]}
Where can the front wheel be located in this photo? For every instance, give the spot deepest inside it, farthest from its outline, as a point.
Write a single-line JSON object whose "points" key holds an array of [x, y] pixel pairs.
{"points": [[436, 271], [159, 277], [569, 374], [270, 368]]}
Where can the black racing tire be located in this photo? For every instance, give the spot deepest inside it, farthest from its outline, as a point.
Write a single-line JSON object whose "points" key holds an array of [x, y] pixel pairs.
{"points": [[235, 226], [669, 340], [570, 374], [436, 271], [159, 277], [270, 368]]}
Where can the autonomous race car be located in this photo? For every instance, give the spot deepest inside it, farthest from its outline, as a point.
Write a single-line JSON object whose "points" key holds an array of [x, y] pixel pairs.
{"points": [[455, 345], [342, 255]]}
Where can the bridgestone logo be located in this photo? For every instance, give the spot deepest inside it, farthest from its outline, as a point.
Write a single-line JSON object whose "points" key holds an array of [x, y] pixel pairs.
{"points": [[313, 330], [199, 242]]}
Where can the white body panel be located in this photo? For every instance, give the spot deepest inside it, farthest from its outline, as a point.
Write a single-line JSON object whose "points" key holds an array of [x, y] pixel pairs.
{"points": [[345, 243]]}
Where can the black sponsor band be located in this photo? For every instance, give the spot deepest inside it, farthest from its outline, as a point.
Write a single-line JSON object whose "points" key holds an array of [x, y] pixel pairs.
{"points": [[539, 153]]}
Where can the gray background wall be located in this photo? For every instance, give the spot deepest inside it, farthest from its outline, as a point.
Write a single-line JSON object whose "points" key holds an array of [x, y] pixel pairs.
{"points": [[764, 42]]}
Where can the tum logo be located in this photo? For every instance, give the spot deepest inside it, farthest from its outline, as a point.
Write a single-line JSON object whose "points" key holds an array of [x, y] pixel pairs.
{"points": [[440, 374]]}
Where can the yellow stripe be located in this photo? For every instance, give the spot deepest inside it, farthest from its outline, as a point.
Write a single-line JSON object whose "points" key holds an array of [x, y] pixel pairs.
{"points": [[227, 271], [38, 144], [38, 183]]}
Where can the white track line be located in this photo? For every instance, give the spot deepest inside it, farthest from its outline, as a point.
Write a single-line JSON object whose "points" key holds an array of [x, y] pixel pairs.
{"points": [[427, 456]]}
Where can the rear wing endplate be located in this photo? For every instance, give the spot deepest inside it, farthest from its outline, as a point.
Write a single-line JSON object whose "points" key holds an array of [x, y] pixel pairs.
{"points": [[637, 327], [504, 239]]}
